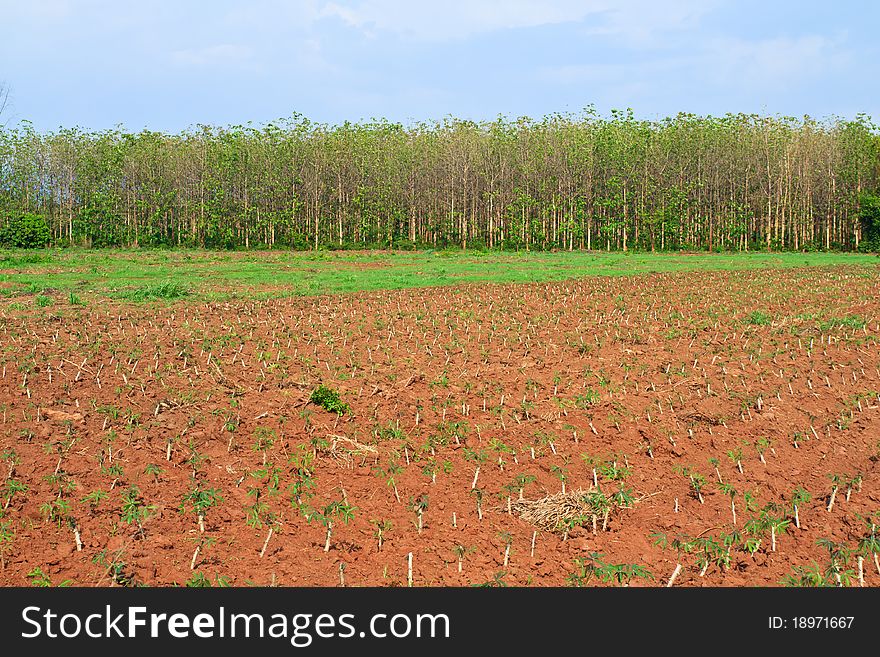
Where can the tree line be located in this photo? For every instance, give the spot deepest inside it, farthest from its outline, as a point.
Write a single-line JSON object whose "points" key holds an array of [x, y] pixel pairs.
{"points": [[567, 181]]}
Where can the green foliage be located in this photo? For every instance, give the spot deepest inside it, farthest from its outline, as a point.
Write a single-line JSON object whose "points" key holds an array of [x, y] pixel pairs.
{"points": [[7, 538], [758, 318], [837, 572], [329, 400], [40, 579], [587, 399], [850, 322], [25, 231], [200, 580], [869, 215], [167, 290], [593, 567], [134, 509], [94, 498], [338, 509], [199, 499], [12, 488], [497, 581], [122, 274], [296, 183]]}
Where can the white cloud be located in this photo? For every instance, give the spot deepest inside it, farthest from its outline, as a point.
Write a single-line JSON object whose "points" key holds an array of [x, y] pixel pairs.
{"points": [[36, 9], [644, 23], [454, 19], [774, 63], [635, 20], [219, 55]]}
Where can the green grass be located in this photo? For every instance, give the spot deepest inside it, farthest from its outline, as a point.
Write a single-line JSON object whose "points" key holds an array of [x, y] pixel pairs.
{"points": [[759, 318], [167, 290], [145, 275], [850, 321]]}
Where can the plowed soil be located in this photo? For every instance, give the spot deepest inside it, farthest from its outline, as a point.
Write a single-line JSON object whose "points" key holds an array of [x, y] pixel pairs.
{"points": [[646, 379]]}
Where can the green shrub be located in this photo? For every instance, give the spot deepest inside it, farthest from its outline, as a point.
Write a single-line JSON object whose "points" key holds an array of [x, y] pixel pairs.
{"points": [[25, 231], [328, 398]]}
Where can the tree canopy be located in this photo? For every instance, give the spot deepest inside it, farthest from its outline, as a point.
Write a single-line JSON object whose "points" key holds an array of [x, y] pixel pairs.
{"points": [[567, 181]]}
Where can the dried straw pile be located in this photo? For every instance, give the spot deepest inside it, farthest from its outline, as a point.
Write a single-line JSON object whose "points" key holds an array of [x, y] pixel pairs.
{"points": [[556, 512], [343, 449]]}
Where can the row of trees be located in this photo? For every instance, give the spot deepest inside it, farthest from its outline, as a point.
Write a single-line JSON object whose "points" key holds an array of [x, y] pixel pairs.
{"points": [[579, 181]]}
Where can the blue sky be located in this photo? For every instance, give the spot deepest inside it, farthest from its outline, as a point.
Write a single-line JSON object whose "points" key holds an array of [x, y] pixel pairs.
{"points": [[172, 64]]}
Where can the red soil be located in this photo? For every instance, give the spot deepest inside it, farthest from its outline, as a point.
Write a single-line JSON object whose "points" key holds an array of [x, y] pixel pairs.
{"points": [[91, 396]]}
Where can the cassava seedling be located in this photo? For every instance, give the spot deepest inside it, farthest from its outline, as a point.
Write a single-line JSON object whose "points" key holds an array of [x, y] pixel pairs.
{"points": [[623, 497], [624, 573], [200, 580], [134, 509], [586, 568], [839, 556], [478, 457], [836, 480], [12, 488], [509, 490], [419, 505], [799, 437], [853, 483], [772, 516], [707, 550], [762, 445], [714, 463], [696, 481], [478, 495], [593, 463], [202, 542], [430, 469], [274, 523], [390, 474], [612, 470], [200, 499], [264, 439], [736, 455], [798, 498], [496, 581], [56, 511], [500, 449], [729, 541], [93, 499], [802, 576], [7, 538], [258, 514], [869, 543], [561, 473], [729, 490], [302, 486], [460, 552], [600, 506], [507, 539], [40, 579], [381, 527], [680, 544], [340, 510], [154, 471], [521, 481], [749, 499]]}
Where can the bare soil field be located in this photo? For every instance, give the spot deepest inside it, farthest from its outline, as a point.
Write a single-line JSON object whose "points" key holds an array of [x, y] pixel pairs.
{"points": [[724, 422]]}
